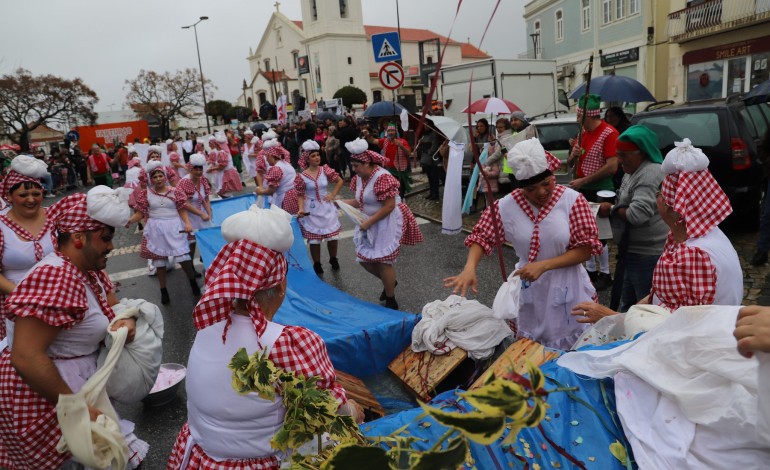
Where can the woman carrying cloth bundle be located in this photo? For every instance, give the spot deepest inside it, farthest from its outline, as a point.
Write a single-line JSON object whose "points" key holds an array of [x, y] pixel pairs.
{"points": [[552, 230], [245, 286], [390, 223], [58, 317], [317, 214], [195, 190]]}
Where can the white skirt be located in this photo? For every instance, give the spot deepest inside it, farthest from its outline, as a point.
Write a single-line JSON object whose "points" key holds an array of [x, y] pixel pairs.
{"points": [[166, 237]]}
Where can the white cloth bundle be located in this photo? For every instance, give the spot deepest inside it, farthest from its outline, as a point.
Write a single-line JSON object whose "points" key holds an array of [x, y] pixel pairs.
{"points": [[138, 366], [108, 206], [29, 166], [459, 322], [270, 228], [356, 216], [685, 397], [639, 318], [506, 304], [96, 444]]}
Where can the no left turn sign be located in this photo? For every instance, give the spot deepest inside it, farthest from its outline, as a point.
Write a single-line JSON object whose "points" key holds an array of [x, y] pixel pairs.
{"points": [[391, 75]]}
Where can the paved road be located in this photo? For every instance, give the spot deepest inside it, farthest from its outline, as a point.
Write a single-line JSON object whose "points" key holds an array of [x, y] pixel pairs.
{"points": [[420, 271]]}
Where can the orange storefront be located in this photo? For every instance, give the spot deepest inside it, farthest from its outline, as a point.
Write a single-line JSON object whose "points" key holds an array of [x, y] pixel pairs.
{"points": [[109, 134]]}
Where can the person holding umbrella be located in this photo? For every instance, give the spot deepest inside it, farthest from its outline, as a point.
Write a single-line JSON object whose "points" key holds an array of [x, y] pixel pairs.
{"points": [[595, 157]]}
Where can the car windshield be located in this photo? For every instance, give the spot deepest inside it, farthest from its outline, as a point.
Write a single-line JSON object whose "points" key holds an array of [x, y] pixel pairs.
{"points": [[555, 136], [702, 128]]}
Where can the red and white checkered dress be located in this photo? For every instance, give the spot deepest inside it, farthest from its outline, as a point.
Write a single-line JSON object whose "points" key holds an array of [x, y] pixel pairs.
{"points": [[240, 269], [231, 180], [57, 296], [370, 198], [704, 269], [281, 176], [564, 223], [322, 222], [187, 191], [43, 244], [163, 224]]}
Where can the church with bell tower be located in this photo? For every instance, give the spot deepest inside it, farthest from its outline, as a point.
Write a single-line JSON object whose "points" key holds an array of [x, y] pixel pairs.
{"points": [[329, 48]]}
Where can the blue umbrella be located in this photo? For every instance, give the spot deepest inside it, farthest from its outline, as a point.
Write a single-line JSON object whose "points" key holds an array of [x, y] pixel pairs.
{"points": [[615, 88], [259, 127], [382, 109], [758, 94]]}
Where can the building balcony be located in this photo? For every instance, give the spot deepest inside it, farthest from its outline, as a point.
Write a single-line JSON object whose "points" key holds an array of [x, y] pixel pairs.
{"points": [[715, 16]]}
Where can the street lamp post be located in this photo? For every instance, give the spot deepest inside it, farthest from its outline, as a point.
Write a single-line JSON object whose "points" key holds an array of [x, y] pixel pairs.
{"points": [[200, 68]]}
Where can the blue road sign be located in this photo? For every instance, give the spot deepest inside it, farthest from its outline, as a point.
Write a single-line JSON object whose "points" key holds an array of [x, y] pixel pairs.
{"points": [[386, 46]]}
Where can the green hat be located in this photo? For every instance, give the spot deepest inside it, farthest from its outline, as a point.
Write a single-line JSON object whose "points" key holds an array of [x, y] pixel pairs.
{"points": [[594, 102], [643, 138]]}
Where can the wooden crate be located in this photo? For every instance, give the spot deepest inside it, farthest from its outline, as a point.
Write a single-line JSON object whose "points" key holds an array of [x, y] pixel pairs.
{"points": [[515, 358], [356, 389], [422, 372]]}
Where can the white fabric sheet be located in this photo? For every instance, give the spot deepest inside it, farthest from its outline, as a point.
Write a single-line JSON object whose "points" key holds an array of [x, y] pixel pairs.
{"points": [[451, 218], [685, 397]]}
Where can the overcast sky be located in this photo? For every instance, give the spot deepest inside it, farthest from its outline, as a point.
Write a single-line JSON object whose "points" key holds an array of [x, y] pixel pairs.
{"points": [[106, 42]]}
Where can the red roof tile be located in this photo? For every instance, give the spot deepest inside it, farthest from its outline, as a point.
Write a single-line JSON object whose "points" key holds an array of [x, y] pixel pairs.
{"points": [[417, 35]]}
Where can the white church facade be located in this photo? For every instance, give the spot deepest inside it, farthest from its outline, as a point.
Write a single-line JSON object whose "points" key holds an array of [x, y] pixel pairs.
{"points": [[337, 45]]}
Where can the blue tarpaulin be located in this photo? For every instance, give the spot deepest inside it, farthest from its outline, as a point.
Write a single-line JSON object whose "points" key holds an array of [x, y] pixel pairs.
{"points": [[585, 430], [362, 338]]}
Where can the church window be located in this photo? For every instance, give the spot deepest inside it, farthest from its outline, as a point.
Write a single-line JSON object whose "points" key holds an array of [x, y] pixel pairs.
{"points": [[350, 61], [377, 95], [343, 9], [267, 65], [295, 58], [351, 80], [313, 10]]}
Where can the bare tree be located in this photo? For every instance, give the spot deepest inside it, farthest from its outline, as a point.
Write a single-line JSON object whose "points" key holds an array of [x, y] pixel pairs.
{"points": [[166, 96], [28, 101]]}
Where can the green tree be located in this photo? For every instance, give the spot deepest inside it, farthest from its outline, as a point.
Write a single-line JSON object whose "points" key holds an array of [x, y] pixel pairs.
{"points": [[218, 108], [28, 101], [351, 95], [166, 95], [240, 113]]}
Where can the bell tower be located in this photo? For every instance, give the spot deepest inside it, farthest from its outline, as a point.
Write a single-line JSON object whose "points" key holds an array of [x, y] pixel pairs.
{"points": [[337, 45]]}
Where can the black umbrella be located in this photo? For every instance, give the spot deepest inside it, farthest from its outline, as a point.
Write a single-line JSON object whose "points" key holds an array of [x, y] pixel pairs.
{"points": [[758, 94], [382, 109], [615, 88], [259, 127], [324, 115]]}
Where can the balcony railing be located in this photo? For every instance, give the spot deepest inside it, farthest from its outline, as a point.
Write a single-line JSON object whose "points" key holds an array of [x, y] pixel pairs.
{"points": [[715, 16]]}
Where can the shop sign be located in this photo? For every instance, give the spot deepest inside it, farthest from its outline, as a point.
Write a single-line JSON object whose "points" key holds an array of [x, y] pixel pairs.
{"points": [[620, 57]]}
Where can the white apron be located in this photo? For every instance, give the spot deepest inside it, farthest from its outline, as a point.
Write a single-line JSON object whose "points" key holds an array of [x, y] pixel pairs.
{"points": [[286, 184], [545, 306], [164, 231], [323, 218], [384, 237], [250, 160], [232, 426]]}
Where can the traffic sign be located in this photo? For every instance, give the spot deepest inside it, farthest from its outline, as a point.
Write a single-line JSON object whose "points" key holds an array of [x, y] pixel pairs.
{"points": [[386, 46], [391, 76]]}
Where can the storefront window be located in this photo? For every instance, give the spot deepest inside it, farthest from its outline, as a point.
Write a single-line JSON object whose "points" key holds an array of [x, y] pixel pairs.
{"points": [[704, 80], [736, 75], [759, 68]]}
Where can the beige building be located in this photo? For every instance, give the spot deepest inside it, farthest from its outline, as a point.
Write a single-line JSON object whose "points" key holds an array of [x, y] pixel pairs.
{"points": [[717, 47], [337, 47]]}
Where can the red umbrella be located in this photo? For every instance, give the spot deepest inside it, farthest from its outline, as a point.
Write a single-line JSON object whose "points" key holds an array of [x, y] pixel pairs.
{"points": [[10, 147], [491, 106]]}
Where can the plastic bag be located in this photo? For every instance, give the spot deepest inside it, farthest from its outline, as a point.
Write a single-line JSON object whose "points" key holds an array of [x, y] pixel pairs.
{"points": [[506, 304]]}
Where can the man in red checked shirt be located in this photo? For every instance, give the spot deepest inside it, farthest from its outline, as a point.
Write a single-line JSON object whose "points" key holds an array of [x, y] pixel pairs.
{"points": [[597, 162], [396, 150]]}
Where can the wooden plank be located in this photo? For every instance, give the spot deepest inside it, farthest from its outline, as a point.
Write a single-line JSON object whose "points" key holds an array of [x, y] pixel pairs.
{"points": [[515, 358], [356, 389], [422, 372]]}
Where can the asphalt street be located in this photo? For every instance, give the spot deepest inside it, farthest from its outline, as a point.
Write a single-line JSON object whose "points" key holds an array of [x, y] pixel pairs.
{"points": [[420, 272]]}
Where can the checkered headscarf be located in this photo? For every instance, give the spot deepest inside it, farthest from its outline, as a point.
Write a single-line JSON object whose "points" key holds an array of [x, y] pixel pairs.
{"points": [[308, 147], [240, 269], [273, 148], [691, 191], [23, 168], [101, 207]]}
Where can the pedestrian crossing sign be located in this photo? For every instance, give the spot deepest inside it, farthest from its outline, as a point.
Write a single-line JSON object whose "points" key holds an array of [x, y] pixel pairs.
{"points": [[386, 46]]}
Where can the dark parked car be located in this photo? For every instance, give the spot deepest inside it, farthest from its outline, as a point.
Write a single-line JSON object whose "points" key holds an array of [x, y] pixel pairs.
{"points": [[728, 133]]}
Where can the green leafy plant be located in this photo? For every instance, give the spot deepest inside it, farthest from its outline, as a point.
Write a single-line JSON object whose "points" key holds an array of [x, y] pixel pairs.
{"points": [[512, 402]]}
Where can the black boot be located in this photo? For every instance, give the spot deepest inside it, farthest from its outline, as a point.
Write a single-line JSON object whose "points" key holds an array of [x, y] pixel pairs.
{"points": [[383, 296], [390, 302], [335, 264], [164, 298], [194, 286], [318, 268]]}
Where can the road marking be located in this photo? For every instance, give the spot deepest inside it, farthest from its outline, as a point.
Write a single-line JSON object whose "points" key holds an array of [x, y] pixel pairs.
{"points": [[138, 272]]}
